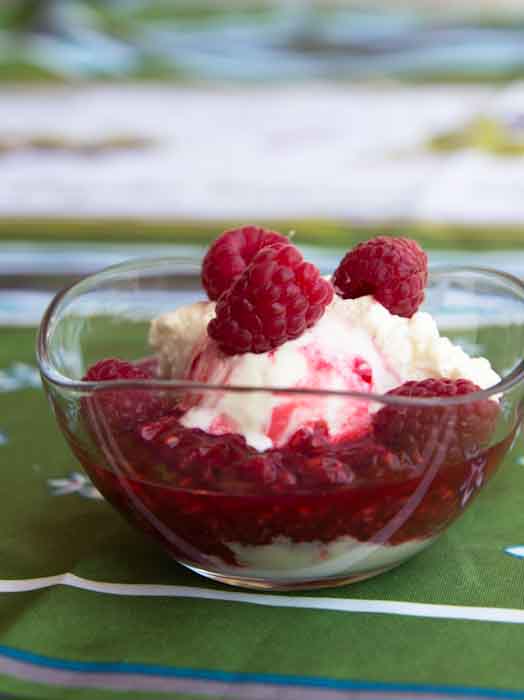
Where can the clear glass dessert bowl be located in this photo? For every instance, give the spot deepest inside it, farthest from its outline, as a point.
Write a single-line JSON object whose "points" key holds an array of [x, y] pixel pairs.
{"points": [[307, 514]]}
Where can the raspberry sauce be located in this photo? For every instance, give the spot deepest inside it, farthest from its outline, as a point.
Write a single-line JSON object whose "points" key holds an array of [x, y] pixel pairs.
{"points": [[197, 492]]}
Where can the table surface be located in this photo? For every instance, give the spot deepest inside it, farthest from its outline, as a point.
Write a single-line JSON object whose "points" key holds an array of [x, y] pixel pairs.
{"points": [[87, 604]]}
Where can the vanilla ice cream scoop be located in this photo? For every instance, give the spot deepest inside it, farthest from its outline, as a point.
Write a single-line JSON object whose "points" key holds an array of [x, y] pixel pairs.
{"points": [[357, 345]]}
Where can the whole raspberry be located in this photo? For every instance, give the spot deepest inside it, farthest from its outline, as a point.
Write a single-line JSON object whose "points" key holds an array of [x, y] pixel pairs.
{"points": [[274, 300], [445, 433], [122, 409], [231, 253], [393, 270], [112, 369]]}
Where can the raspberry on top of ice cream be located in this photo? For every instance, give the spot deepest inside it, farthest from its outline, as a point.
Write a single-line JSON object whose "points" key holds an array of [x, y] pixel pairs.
{"points": [[394, 270], [230, 254], [274, 300], [354, 344]]}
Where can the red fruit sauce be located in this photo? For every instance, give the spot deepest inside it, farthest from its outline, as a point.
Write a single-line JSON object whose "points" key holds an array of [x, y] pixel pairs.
{"points": [[197, 492]]}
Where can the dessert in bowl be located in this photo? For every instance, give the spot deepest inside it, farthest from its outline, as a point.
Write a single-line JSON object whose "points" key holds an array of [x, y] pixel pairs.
{"points": [[289, 430]]}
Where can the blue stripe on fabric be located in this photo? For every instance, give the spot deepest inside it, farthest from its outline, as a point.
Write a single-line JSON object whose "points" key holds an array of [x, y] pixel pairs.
{"points": [[236, 677]]}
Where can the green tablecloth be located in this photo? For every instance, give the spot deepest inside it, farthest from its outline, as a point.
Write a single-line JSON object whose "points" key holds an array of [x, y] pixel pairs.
{"points": [[173, 634]]}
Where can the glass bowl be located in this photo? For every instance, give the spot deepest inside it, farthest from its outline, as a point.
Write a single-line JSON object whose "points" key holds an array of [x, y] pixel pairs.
{"points": [[310, 514]]}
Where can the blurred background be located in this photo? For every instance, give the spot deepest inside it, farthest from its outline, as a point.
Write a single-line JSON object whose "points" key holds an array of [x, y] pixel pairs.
{"points": [[132, 128]]}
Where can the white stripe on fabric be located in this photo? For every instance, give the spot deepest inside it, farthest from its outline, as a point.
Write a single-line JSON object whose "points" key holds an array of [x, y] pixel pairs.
{"points": [[352, 605]]}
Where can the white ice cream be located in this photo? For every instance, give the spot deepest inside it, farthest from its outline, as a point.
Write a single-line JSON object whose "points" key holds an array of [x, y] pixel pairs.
{"points": [[285, 560], [357, 345]]}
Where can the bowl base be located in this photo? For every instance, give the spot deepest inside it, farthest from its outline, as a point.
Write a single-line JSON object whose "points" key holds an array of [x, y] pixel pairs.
{"points": [[289, 585]]}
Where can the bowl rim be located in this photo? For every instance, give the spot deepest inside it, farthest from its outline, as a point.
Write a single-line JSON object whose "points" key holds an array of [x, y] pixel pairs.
{"points": [[53, 376]]}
